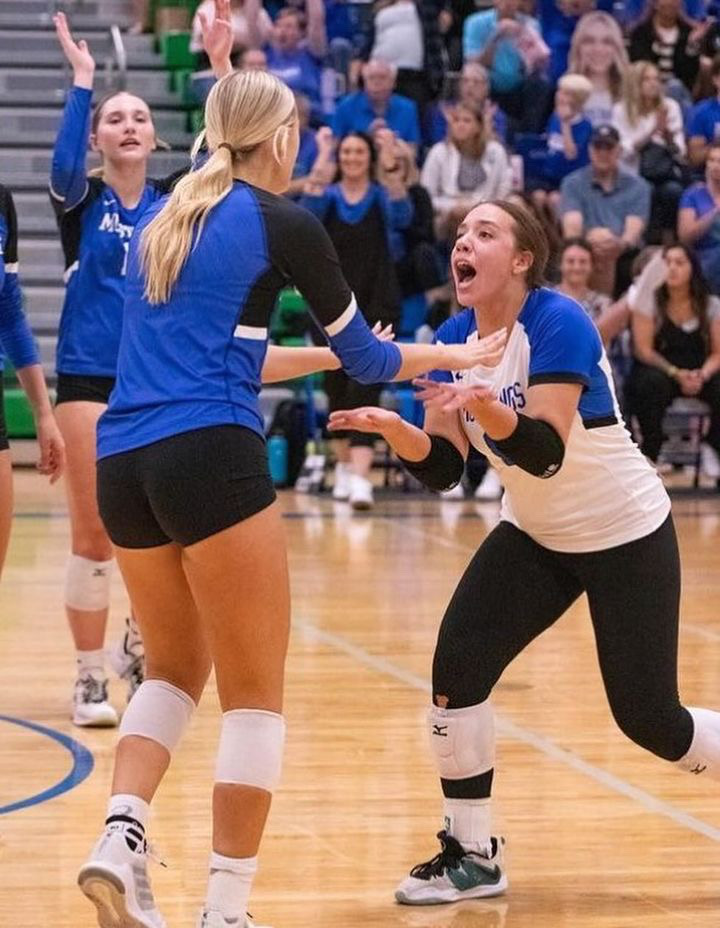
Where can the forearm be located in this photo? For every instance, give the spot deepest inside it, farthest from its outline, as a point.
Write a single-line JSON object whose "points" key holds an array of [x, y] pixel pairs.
{"points": [[654, 359], [408, 441], [316, 33], [633, 230], [419, 359], [711, 366], [68, 172], [282, 363], [252, 18], [15, 335], [32, 381], [497, 420], [569, 147]]}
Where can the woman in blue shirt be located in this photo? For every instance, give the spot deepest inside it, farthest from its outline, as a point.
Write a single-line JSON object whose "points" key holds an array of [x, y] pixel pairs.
{"points": [[17, 343], [184, 488]]}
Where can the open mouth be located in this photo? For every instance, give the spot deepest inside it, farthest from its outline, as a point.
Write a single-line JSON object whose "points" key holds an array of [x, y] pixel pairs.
{"points": [[464, 271], [130, 143]]}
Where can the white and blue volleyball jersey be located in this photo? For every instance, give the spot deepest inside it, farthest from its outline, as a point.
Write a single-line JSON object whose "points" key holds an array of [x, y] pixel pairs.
{"points": [[196, 361], [95, 230], [605, 493], [16, 339]]}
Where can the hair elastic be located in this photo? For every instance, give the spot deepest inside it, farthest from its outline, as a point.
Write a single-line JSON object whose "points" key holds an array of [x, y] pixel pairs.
{"points": [[229, 147]]}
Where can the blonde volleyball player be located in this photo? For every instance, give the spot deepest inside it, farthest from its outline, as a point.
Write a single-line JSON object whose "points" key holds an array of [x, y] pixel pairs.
{"points": [[582, 508], [184, 488]]}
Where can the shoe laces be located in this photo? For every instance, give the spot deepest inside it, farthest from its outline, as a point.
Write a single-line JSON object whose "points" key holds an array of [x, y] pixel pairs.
{"points": [[132, 644], [92, 689], [449, 858], [135, 675]]}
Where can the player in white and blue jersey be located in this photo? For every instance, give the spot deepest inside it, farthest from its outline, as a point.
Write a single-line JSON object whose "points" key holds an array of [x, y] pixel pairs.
{"points": [[184, 488], [17, 343], [96, 216], [582, 512]]}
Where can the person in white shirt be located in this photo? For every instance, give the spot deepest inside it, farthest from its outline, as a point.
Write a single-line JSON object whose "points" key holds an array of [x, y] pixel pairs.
{"points": [[583, 512], [464, 169]]}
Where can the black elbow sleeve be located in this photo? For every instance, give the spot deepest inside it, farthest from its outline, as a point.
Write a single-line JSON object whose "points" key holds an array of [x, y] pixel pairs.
{"points": [[441, 469], [534, 446]]}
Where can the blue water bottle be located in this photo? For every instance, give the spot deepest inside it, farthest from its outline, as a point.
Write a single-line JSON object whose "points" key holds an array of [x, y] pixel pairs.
{"points": [[277, 449]]}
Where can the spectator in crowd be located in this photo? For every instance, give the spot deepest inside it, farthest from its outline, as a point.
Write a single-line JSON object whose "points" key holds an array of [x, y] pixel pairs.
{"points": [[598, 51], [376, 104], [508, 43], [253, 59], [652, 141], [465, 168], [307, 149], [294, 53], [242, 37], [634, 10], [365, 221], [452, 23], [699, 219], [140, 17], [558, 19], [667, 40], [418, 265], [676, 339], [704, 121], [473, 89], [406, 34], [609, 207], [568, 138]]}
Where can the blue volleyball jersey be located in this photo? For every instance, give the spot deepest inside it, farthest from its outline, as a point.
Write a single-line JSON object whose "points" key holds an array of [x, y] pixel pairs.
{"points": [[605, 493], [15, 336], [95, 230], [196, 361]]}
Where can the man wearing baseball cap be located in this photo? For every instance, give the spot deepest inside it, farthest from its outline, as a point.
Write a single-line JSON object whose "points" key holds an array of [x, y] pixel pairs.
{"points": [[607, 206]]}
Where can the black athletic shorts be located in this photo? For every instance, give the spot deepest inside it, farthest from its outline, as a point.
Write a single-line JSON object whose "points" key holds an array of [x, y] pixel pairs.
{"points": [[72, 388], [184, 488], [4, 444]]}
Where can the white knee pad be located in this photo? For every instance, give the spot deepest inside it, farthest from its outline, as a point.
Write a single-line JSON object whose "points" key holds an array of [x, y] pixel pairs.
{"points": [[251, 748], [463, 740], [704, 754], [159, 711], [87, 584]]}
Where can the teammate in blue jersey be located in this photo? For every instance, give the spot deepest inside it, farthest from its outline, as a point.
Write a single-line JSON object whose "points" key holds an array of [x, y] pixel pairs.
{"points": [[96, 215], [184, 487], [583, 511], [17, 343]]}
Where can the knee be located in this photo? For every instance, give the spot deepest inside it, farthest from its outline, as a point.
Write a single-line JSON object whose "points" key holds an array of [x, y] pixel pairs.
{"points": [[653, 729], [92, 543], [190, 678]]}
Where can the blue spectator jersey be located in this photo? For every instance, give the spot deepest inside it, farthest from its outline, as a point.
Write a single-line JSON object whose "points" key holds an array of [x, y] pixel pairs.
{"points": [[299, 69], [196, 361], [15, 336], [398, 214], [95, 230], [556, 165], [705, 120], [355, 113], [605, 493], [707, 247]]}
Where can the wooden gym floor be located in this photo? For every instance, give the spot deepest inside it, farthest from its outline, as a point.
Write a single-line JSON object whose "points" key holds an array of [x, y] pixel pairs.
{"points": [[600, 835]]}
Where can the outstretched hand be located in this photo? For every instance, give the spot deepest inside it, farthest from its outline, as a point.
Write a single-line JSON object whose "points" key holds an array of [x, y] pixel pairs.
{"points": [[486, 351], [449, 397], [371, 419], [217, 37], [77, 53]]}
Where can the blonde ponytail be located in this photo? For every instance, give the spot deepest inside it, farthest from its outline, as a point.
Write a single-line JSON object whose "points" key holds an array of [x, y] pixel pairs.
{"points": [[243, 110]]}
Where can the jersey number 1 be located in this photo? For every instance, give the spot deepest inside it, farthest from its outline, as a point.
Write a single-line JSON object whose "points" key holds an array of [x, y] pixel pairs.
{"points": [[123, 269]]}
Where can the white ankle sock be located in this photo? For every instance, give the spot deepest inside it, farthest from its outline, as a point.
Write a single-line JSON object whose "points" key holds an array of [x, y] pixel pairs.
{"points": [[92, 662], [468, 821], [230, 884], [129, 806]]}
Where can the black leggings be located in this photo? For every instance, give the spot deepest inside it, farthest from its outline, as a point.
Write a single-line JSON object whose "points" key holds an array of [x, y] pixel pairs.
{"points": [[514, 589]]}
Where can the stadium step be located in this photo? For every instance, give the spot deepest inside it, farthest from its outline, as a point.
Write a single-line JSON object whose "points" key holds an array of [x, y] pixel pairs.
{"points": [[45, 86]]}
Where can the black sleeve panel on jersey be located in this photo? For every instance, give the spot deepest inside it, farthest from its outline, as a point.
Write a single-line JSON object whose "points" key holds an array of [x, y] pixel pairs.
{"points": [[166, 184], [7, 210], [301, 250], [70, 221]]}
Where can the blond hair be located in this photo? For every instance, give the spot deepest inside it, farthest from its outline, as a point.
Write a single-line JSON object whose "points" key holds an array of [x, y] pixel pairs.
{"points": [[579, 86], [243, 110], [621, 60], [632, 91]]}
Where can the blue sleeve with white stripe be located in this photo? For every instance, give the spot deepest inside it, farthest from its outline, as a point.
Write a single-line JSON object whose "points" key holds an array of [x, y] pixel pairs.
{"points": [[565, 346], [310, 261], [15, 336], [68, 177]]}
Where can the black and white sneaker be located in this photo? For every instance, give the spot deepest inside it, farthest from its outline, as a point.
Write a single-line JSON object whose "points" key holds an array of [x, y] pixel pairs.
{"points": [[454, 874], [127, 658], [91, 708]]}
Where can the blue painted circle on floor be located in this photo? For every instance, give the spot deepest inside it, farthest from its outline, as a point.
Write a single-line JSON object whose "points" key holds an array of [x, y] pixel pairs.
{"points": [[82, 765]]}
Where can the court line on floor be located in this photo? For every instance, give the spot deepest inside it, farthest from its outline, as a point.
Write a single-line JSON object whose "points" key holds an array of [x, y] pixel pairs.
{"points": [[82, 765], [518, 733]]}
